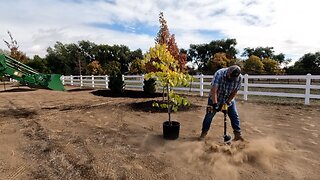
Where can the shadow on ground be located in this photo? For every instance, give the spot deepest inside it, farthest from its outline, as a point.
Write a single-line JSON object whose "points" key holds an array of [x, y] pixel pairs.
{"points": [[80, 89], [19, 90], [125, 93], [18, 113], [146, 106]]}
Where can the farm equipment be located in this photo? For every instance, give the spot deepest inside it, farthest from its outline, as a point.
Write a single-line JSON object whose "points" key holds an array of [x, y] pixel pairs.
{"points": [[28, 76], [226, 136]]}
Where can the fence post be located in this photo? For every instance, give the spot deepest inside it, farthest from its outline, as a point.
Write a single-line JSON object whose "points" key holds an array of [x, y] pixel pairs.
{"points": [[71, 80], [62, 79], [92, 79], [106, 81], [81, 81], [245, 88], [308, 84], [123, 81], [201, 85], [142, 80]]}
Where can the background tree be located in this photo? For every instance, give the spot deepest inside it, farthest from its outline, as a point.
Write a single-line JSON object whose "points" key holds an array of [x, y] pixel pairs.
{"points": [[218, 61], [200, 54], [136, 67], [253, 65], [39, 64], [15, 53], [58, 61], [265, 52], [73, 58], [94, 68], [6, 52], [271, 66], [113, 66], [308, 63]]}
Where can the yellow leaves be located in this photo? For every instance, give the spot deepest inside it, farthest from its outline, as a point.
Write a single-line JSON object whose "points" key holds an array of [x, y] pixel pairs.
{"points": [[167, 68]]}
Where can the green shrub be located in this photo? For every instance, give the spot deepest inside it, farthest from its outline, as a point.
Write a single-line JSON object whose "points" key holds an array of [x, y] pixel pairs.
{"points": [[116, 84], [149, 86]]}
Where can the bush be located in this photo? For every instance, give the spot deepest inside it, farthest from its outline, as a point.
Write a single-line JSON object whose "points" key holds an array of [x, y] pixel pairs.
{"points": [[116, 84], [149, 86]]}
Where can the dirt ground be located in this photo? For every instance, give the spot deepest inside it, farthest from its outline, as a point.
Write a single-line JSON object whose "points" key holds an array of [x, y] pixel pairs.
{"points": [[78, 135]]}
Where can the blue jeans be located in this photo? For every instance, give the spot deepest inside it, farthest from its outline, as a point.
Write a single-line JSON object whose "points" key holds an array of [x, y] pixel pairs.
{"points": [[232, 113]]}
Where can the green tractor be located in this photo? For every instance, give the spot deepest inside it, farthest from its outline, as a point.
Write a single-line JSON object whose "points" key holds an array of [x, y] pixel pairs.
{"points": [[28, 76]]}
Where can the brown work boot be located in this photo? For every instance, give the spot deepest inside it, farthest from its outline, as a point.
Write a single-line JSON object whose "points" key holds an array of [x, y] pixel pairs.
{"points": [[203, 135], [237, 136]]}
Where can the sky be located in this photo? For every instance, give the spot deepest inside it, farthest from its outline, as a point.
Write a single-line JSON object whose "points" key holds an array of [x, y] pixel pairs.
{"points": [[290, 26]]}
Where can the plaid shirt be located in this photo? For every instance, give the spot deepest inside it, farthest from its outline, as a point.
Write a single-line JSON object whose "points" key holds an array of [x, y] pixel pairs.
{"points": [[225, 88]]}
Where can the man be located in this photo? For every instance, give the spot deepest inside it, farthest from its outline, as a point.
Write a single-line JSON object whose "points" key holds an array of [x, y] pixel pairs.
{"points": [[224, 86]]}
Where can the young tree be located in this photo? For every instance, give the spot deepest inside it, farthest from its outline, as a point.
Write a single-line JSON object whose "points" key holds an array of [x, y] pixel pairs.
{"points": [[168, 74], [164, 37], [15, 53]]}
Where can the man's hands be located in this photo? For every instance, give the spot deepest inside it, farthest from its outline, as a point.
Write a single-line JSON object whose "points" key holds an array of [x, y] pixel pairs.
{"points": [[213, 108], [216, 107]]}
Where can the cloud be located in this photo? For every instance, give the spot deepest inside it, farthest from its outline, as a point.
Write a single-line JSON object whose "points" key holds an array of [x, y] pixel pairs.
{"points": [[289, 26]]}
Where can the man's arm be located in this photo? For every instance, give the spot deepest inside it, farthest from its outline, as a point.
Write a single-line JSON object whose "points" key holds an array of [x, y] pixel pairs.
{"points": [[213, 93], [232, 95]]}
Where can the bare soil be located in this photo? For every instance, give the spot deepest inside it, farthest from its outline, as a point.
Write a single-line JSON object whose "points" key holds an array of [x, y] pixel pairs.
{"points": [[88, 134]]}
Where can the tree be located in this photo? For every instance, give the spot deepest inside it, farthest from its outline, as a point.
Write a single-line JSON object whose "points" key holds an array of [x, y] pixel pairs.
{"points": [[218, 61], [64, 59], [261, 52], [94, 68], [113, 66], [39, 64], [15, 53], [136, 67], [308, 63], [164, 37], [265, 52], [271, 66], [200, 54], [168, 74], [253, 65]]}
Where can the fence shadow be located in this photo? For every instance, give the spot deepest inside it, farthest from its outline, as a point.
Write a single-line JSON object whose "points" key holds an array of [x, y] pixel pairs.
{"points": [[19, 90]]}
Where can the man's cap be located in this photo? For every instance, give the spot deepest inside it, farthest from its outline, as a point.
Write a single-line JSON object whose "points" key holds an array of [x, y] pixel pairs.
{"points": [[234, 71]]}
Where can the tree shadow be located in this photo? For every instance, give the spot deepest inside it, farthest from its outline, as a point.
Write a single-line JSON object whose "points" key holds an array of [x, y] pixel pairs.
{"points": [[146, 106]]}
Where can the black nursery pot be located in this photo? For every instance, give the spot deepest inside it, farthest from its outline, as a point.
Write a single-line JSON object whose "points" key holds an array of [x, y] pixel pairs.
{"points": [[171, 132]]}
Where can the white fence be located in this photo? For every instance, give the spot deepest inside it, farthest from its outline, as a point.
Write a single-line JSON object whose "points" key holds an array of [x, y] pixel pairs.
{"points": [[308, 85]]}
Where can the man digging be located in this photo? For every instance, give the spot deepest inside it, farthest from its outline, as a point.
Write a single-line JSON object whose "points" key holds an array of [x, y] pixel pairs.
{"points": [[224, 86]]}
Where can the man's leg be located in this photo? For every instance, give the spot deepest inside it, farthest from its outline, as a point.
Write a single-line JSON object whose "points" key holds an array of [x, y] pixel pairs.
{"points": [[207, 121], [235, 121]]}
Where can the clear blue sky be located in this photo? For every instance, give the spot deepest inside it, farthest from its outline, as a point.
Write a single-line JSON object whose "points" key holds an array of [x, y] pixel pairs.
{"points": [[290, 26]]}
